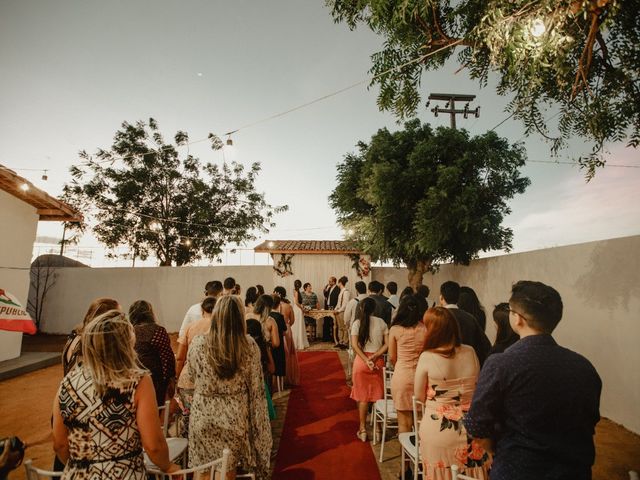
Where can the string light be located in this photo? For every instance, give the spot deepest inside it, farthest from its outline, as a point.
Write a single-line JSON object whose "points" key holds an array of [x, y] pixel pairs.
{"points": [[24, 187], [538, 28]]}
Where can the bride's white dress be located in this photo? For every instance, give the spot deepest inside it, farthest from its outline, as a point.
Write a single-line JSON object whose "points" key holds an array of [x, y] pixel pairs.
{"points": [[298, 329]]}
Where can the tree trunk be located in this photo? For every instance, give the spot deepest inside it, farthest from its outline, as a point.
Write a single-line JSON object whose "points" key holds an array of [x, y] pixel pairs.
{"points": [[417, 270]]}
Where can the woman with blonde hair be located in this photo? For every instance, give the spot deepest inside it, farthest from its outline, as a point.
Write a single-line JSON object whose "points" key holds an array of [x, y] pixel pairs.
{"points": [[105, 412], [229, 408], [446, 377], [72, 351]]}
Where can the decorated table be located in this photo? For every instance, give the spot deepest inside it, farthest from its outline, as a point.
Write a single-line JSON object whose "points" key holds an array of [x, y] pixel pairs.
{"points": [[318, 315]]}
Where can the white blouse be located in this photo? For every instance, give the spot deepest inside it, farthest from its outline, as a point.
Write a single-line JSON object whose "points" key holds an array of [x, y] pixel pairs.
{"points": [[377, 330]]}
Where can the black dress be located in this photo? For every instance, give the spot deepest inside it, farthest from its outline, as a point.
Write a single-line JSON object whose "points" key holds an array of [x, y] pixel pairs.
{"points": [[278, 353]]}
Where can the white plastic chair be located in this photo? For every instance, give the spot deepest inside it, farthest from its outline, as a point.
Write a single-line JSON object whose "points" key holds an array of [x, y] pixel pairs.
{"points": [[410, 441], [164, 410], [177, 452], [459, 476], [34, 473], [217, 470], [385, 412]]}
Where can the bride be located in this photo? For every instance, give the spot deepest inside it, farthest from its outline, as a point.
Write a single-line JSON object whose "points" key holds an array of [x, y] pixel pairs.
{"points": [[298, 330]]}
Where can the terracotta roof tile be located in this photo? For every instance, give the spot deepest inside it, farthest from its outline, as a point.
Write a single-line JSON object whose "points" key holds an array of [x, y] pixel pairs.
{"points": [[306, 246]]}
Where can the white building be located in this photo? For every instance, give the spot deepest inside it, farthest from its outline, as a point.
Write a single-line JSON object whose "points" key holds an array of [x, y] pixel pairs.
{"points": [[22, 206]]}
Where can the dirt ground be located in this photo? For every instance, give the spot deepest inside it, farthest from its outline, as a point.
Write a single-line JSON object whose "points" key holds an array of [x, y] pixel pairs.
{"points": [[25, 403]]}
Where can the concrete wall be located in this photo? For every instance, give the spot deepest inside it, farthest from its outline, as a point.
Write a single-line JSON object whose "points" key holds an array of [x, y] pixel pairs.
{"points": [[18, 225], [598, 281], [600, 287], [171, 290]]}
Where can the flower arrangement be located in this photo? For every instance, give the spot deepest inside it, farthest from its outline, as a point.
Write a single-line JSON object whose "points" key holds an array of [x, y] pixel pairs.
{"points": [[361, 265], [283, 266]]}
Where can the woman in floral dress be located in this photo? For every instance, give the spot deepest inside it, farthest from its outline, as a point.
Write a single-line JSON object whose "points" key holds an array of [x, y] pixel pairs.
{"points": [[445, 380], [229, 408], [105, 410]]}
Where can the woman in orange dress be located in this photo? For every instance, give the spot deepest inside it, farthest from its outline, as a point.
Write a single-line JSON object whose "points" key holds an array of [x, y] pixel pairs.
{"points": [[406, 342], [446, 378]]}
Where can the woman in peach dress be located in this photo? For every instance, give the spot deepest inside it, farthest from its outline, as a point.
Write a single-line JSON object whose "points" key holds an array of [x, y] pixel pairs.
{"points": [[406, 342], [445, 380]]}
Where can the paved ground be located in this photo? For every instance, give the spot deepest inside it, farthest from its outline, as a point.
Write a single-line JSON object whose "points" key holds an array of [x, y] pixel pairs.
{"points": [[25, 403]]}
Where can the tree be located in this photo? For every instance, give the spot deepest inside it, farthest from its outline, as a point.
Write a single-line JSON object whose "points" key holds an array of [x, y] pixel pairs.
{"points": [[581, 56], [43, 277], [421, 197], [144, 196]]}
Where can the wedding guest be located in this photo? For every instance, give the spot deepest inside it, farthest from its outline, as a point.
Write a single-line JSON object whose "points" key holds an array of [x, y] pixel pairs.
{"points": [[342, 332], [299, 332], [423, 291], [254, 330], [228, 285], [211, 289], [469, 302], [237, 289], [406, 291], [383, 307], [105, 412], [153, 347], [229, 408], [278, 352], [250, 297], [470, 331], [406, 342], [292, 369], [370, 340], [260, 289], [72, 350], [505, 336], [309, 301], [445, 379], [537, 404], [185, 386], [392, 288], [352, 306], [261, 312]]}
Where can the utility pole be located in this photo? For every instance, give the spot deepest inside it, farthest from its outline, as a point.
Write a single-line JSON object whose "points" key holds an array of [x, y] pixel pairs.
{"points": [[450, 107]]}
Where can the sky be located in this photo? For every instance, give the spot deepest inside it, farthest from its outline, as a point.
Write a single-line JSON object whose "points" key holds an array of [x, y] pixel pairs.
{"points": [[73, 71]]}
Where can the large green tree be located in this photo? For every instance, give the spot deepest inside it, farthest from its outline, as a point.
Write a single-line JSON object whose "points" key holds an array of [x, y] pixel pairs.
{"points": [[581, 57], [143, 195], [421, 197]]}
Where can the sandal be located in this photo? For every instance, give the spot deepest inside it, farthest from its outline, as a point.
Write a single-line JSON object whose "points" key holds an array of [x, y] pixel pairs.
{"points": [[362, 435]]}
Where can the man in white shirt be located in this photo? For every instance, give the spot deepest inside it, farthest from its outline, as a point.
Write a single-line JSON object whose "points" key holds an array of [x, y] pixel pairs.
{"points": [[341, 333], [392, 288], [194, 313], [352, 305]]}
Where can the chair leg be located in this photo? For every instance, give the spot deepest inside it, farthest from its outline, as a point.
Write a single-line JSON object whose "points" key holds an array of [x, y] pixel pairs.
{"points": [[382, 439], [402, 464]]}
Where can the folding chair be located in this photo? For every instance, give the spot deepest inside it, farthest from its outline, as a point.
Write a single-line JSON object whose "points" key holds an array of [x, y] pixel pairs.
{"points": [[410, 442], [384, 411], [164, 410], [34, 473], [459, 476], [219, 466]]}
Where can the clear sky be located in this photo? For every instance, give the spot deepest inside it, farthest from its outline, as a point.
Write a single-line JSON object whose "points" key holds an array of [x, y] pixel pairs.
{"points": [[73, 71]]}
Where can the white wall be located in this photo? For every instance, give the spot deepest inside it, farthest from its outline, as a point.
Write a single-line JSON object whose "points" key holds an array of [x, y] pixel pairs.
{"points": [[171, 290], [600, 287], [18, 225]]}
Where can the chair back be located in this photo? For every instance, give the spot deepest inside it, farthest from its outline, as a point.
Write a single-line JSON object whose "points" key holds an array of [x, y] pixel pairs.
{"points": [[34, 473], [418, 411], [164, 411], [219, 466]]}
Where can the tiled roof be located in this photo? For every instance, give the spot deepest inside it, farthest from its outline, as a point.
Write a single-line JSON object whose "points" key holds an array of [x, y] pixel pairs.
{"points": [[307, 246], [48, 208]]}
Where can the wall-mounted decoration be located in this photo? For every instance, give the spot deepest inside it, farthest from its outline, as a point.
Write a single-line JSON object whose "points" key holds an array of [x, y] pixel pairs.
{"points": [[361, 264], [283, 266]]}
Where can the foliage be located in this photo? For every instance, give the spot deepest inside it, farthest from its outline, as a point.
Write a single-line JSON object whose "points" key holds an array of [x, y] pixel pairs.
{"points": [[579, 56], [146, 197], [283, 266], [421, 197]]}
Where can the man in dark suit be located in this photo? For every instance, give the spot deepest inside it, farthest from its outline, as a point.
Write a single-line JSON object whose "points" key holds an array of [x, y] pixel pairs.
{"points": [[470, 331], [331, 292], [383, 307]]}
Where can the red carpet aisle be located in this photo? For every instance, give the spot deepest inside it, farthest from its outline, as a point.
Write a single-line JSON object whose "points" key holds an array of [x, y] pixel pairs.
{"points": [[319, 435]]}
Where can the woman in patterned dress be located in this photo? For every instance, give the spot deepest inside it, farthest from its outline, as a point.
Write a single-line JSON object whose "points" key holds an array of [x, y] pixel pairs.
{"points": [[229, 408], [153, 347], [105, 411], [445, 380]]}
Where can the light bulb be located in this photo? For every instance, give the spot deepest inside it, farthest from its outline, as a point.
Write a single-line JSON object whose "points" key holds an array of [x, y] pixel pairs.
{"points": [[187, 242], [538, 28], [24, 187], [271, 244]]}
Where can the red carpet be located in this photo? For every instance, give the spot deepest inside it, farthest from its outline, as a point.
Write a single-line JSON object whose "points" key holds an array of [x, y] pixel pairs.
{"points": [[319, 434]]}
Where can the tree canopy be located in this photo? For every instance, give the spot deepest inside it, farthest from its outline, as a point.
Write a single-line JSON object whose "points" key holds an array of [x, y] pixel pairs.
{"points": [[579, 56], [421, 197], [143, 195]]}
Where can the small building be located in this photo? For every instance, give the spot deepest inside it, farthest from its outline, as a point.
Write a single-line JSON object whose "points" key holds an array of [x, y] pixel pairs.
{"points": [[314, 261], [22, 206]]}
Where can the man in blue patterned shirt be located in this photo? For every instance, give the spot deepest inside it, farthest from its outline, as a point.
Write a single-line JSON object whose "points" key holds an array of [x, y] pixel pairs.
{"points": [[536, 405]]}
